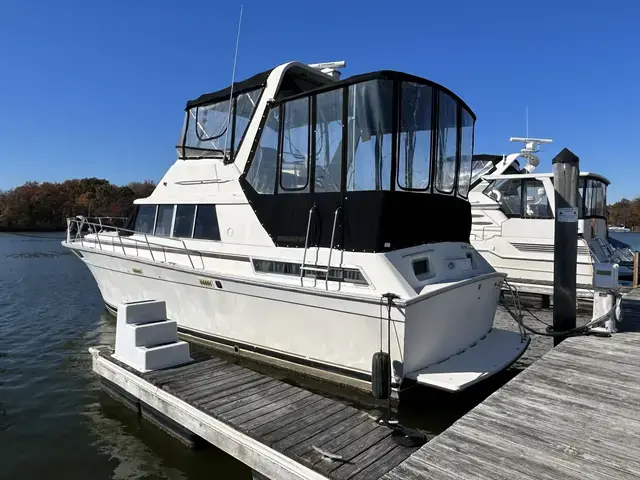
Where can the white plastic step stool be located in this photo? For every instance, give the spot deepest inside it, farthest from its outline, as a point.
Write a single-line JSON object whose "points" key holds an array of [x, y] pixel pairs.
{"points": [[146, 340]]}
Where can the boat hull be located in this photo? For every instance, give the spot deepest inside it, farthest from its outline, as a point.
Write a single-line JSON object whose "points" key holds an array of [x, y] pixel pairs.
{"points": [[331, 336]]}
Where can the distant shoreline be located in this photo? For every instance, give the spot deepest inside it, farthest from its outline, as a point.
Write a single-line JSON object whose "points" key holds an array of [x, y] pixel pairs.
{"points": [[32, 230]]}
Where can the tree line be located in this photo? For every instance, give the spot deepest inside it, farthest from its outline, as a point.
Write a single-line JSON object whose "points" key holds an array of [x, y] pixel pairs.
{"points": [[46, 206], [625, 213]]}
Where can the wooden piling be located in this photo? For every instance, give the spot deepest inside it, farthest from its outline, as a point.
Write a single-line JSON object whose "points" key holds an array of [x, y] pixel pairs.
{"points": [[566, 172]]}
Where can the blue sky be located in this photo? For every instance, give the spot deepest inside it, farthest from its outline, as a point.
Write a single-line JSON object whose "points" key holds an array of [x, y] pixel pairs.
{"points": [[98, 88]]}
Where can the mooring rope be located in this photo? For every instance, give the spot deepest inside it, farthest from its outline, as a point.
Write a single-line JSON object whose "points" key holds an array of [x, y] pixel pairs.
{"points": [[581, 330]]}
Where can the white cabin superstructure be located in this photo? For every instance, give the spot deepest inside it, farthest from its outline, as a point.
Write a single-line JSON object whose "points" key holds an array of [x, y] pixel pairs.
{"points": [[513, 222], [280, 227]]}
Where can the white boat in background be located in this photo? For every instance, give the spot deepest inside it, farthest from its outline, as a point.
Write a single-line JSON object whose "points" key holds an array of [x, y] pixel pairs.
{"points": [[513, 221], [619, 229], [280, 228]]}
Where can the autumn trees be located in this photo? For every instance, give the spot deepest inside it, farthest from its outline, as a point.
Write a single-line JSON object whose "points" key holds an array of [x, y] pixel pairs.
{"points": [[46, 206], [625, 213]]}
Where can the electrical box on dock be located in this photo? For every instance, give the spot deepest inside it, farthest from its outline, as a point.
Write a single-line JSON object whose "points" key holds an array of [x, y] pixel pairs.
{"points": [[605, 275]]}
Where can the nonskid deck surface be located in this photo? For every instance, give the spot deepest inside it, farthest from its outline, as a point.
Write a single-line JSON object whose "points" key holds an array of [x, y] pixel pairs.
{"points": [[291, 420]]}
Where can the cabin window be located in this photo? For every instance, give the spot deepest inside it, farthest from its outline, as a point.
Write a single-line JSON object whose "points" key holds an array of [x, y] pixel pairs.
{"points": [[328, 141], [262, 171], [414, 139], [508, 193], [421, 269], [595, 198], [183, 225], [370, 135], [536, 203], [145, 219], [164, 221], [206, 226], [294, 167], [446, 154], [466, 153]]}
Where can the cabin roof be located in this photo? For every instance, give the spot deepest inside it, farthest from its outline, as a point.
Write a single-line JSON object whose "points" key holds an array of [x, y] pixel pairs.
{"points": [[251, 83], [379, 75], [260, 80]]}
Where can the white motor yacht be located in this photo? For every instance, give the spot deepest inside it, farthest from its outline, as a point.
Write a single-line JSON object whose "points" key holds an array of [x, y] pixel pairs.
{"points": [[513, 222], [296, 202]]}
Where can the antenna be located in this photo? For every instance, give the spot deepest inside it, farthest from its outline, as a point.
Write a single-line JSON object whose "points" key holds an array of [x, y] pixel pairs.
{"points": [[531, 147], [526, 115], [233, 78], [330, 68]]}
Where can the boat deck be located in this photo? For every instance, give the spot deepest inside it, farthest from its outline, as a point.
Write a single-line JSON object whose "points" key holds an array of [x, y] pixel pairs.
{"points": [[259, 419]]}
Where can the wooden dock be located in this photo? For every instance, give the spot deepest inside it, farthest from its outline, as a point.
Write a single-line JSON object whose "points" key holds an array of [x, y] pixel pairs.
{"points": [[571, 415], [277, 429]]}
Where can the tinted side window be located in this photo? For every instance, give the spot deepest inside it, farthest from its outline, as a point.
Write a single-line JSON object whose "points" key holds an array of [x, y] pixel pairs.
{"points": [[145, 219], [183, 226], [163, 222], [206, 223]]}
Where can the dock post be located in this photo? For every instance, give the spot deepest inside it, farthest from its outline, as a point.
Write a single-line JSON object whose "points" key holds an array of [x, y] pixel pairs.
{"points": [[566, 172], [636, 262]]}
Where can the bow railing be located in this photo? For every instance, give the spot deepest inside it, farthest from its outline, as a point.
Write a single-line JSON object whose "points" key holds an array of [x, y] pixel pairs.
{"points": [[97, 233]]}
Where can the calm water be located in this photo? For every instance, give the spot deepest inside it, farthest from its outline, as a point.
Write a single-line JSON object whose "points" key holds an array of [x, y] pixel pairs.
{"points": [[630, 238], [54, 420]]}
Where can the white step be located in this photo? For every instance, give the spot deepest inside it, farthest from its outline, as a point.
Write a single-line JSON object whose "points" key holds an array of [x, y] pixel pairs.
{"points": [[164, 356], [156, 333], [491, 354], [142, 312], [146, 359], [146, 340]]}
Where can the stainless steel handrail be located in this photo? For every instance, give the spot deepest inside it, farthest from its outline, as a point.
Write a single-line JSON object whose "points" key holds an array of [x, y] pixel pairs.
{"points": [[97, 228]]}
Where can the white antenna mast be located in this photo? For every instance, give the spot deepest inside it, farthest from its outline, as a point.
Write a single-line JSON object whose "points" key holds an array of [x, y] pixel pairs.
{"points": [[526, 114], [233, 78]]}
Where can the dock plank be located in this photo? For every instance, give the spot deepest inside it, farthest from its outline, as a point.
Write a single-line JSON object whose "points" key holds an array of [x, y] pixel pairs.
{"points": [[220, 385], [260, 400], [287, 420], [382, 465], [376, 452], [348, 447], [286, 407], [239, 392], [250, 397], [306, 422], [317, 429], [572, 415], [303, 449]]}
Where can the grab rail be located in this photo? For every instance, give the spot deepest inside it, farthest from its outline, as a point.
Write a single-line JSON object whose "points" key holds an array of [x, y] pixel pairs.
{"points": [[79, 227]]}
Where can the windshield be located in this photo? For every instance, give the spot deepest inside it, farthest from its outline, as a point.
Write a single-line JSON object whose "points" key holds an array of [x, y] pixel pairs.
{"points": [[216, 130]]}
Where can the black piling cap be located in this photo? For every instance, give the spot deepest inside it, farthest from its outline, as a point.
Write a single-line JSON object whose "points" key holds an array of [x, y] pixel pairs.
{"points": [[566, 156]]}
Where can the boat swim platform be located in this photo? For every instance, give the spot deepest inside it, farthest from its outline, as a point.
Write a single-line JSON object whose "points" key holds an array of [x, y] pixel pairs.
{"points": [[572, 415]]}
